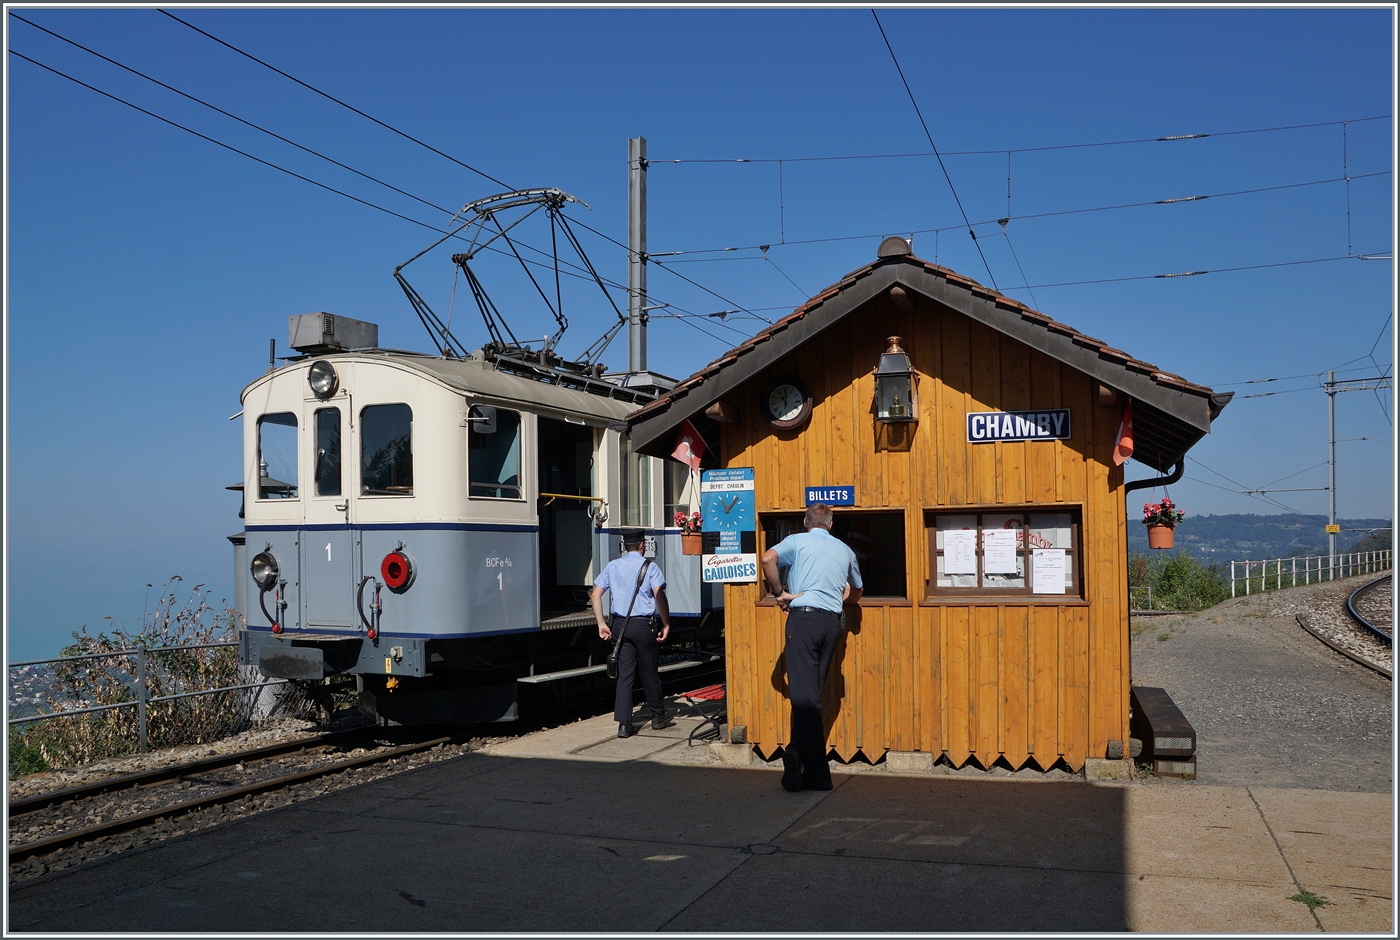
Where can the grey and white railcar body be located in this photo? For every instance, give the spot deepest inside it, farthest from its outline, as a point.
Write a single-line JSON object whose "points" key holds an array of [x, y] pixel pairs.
{"points": [[432, 525]]}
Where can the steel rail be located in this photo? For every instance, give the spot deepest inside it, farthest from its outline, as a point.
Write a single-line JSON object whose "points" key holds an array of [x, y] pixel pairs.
{"points": [[1303, 622], [41, 801], [129, 823], [1356, 615]]}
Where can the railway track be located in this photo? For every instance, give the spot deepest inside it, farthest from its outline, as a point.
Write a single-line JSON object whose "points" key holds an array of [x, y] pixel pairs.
{"points": [[100, 811], [1370, 606]]}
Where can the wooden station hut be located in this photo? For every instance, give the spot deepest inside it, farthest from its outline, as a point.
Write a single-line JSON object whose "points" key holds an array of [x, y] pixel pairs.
{"points": [[935, 413]]}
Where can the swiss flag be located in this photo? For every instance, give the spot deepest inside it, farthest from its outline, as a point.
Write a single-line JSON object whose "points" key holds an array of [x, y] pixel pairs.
{"points": [[1124, 448], [689, 446]]}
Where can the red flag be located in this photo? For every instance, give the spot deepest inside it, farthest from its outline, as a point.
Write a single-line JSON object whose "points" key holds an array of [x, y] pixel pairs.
{"points": [[689, 446], [1124, 448]]}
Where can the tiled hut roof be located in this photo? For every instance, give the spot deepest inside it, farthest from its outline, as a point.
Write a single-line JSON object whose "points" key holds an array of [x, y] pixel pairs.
{"points": [[1177, 413]]}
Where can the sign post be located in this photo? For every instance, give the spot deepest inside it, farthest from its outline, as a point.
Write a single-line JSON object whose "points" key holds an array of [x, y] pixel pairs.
{"points": [[729, 552]]}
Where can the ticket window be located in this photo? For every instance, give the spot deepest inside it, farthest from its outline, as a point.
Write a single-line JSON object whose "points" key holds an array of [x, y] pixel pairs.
{"points": [[876, 537]]}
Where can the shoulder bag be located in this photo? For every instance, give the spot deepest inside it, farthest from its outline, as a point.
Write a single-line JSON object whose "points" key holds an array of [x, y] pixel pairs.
{"points": [[617, 633]]}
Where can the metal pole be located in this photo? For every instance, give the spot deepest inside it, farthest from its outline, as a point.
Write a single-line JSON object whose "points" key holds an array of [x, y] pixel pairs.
{"points": [[141, 693], [1232, 579], [1332, 468], [636, 254]]}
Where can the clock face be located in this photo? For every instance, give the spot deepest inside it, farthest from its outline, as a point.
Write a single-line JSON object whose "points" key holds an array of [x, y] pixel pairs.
{"points": [[727, 512], [785, 402]]}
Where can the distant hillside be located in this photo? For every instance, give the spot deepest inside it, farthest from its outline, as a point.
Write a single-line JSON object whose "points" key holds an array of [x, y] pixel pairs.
{"points": [[1233, 537]]}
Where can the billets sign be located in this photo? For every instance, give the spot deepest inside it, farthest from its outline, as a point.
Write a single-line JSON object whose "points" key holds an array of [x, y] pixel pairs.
{"points": [[729, 551], [1050, 424], [831, 495]]}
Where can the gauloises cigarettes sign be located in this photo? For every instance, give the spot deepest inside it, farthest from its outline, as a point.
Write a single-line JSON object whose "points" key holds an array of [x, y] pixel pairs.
{"points": [[985, 427]]}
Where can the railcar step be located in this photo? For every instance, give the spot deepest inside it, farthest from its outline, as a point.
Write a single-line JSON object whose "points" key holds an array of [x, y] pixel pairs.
{"points": [[1163, 729], [586, 670]]}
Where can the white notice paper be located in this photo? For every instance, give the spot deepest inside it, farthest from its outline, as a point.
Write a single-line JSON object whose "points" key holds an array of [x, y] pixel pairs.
{"points": [[960, 551], [999, 551], [1048, 569]]}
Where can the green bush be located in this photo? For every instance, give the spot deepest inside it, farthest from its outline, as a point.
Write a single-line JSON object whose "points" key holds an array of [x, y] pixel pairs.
{"points": [[1177, 582], [81, 739]]}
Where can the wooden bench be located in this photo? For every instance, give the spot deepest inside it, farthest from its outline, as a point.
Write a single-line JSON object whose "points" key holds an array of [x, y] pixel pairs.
{"points": [[1165, 733]]}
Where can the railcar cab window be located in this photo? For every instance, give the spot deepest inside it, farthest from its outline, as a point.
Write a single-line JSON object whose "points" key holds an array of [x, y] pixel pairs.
{"points": [[493, 457], [277, 456], [386, 450], [877, 538], [327, 471], [1009, 552]]}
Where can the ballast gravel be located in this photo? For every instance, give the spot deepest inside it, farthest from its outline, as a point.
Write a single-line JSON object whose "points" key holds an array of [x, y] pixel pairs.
{"points": [[91, 811], [1325, 611]]}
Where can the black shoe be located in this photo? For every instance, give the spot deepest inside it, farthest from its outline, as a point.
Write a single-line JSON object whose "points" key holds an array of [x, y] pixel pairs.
{"points": [[792, 770], [658, 724], [816, 784], [625, 729]]}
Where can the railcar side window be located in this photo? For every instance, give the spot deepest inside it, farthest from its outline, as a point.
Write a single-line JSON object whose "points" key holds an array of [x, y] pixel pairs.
{"points": [[386, 450], [277, 456], [1008, 552], [493, 459], [327, 470], [636, 486]]}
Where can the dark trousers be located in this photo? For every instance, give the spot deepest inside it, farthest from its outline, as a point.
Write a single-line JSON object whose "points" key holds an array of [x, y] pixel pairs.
{"points": [[639, 653], [811, 639]]}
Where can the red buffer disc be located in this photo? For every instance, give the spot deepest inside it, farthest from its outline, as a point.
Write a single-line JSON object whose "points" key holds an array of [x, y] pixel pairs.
{"points": [[396, 569]]}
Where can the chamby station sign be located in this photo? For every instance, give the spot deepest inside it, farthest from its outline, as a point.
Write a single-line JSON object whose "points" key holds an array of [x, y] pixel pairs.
{"points": [[985, 427]]}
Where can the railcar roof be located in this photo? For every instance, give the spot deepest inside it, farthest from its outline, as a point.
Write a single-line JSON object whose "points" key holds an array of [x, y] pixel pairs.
{"points": [[480, 377]]}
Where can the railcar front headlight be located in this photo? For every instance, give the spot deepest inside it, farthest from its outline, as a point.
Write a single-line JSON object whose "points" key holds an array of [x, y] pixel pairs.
{"points": [[265, 570], [322, 379]]}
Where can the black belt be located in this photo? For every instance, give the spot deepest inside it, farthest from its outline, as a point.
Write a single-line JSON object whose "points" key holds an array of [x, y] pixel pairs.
{"points": [[817, 610]]}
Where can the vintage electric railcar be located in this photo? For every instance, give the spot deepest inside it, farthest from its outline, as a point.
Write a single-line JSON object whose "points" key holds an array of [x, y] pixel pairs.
{"points": [[432, 524]]}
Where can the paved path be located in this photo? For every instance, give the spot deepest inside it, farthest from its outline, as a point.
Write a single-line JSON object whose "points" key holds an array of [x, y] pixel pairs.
{"points": [[573, 830], [1270, 704]]}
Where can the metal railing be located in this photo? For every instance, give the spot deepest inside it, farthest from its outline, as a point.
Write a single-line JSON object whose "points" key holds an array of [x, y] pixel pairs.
{"points": [[1248, 577], [143, 698]]}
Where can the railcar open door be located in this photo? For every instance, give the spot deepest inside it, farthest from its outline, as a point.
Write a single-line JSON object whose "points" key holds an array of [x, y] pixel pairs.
{"points": [[566, 461]]}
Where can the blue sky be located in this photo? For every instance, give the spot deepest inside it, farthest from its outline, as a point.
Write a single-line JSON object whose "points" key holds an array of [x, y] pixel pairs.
{"points": [[146, 268]]}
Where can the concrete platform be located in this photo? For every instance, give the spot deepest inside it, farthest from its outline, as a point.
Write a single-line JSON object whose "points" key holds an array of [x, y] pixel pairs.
{"points": [[574, 830]]}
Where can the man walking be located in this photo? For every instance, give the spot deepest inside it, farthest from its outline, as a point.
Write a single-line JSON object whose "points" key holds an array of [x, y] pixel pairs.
{"points": [[638, 594], [822, 575]]}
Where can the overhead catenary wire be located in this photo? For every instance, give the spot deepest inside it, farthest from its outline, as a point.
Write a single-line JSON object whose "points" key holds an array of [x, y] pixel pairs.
{"points": [[235, 117], [1037, 149], [1038, 215], [330, 97], [338, 192], [929, 135]]}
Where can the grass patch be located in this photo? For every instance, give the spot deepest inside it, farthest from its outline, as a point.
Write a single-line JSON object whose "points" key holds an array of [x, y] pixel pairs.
{"points": [[1313, 901], [1163, 636]]}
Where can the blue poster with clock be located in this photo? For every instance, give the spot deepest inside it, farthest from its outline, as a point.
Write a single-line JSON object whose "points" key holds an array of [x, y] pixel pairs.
{"points": [[728, 526]]}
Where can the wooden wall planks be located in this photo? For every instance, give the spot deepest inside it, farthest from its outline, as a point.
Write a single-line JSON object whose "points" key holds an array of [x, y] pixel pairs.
{"points": [[1025, 683]]}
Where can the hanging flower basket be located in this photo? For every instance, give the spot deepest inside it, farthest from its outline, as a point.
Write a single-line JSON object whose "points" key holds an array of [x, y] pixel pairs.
{"points": [[690, 533], [1161, 520], [1160, 536]]}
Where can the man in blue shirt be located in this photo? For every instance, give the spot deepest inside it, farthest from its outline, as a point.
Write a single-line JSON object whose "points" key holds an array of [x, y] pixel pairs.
{"points": [[822, 575], [640, 649]]}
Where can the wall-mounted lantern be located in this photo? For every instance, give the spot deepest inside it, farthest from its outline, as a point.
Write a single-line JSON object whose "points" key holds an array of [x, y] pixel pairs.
{"points": [[896, 396]]}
